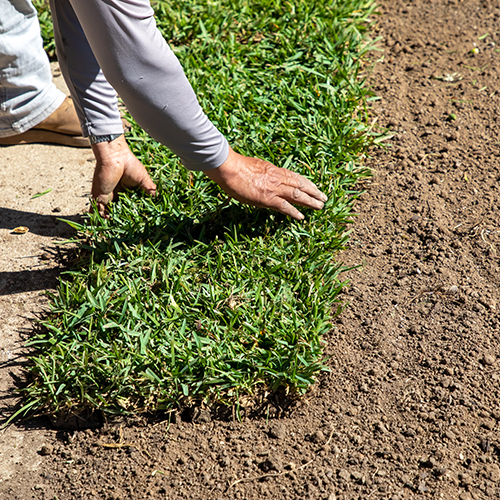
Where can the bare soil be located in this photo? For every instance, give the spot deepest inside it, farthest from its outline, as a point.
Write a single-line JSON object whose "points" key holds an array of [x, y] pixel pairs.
{"points": [[411, 407]]}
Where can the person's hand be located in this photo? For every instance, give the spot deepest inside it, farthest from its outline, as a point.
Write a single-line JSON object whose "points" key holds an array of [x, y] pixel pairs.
{"points": [[262, 184], [116, 169]]}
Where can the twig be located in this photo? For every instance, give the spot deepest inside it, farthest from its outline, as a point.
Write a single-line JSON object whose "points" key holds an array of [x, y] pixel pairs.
{"points": [[122, 444]]}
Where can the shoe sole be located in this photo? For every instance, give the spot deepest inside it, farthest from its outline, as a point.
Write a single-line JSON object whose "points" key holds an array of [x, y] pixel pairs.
{"points": [[45, 136]]}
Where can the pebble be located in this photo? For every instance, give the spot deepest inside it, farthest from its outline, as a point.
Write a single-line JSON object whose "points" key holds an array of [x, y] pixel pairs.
{"points": [[318, 437], [465, 479], [422, 487], [271, 464], [489, 359], [409, 433], [489, 424], [358, 476], [485, 445], [446, 383], [277, 430], [46, 450], [57, 209], [344, 474], [450, 434], [439, 471]]}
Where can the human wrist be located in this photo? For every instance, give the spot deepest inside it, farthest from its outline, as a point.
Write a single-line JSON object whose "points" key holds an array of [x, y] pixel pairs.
{"points": [[107, 151], [97, 139]]}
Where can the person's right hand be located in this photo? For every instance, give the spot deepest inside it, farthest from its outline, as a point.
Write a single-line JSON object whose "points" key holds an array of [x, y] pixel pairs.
{"points": [[262, 184], [116, 169]]}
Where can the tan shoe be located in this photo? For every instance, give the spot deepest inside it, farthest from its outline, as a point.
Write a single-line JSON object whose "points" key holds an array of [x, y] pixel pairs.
{"points": [[61, 127]]}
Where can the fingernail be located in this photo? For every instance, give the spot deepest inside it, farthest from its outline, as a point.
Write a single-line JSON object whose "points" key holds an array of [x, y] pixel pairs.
{"points": [[324, 197]]}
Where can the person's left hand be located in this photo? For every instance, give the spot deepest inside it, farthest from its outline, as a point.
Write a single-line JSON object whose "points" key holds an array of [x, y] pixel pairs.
{"points": [[117, 168], [262, 184]]}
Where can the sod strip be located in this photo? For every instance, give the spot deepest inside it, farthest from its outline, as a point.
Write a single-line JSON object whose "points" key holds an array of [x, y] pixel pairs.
{"points": [[192, 297]]}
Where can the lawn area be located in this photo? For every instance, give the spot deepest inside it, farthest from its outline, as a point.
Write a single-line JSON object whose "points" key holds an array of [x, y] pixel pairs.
{"points": [[190, 297]]}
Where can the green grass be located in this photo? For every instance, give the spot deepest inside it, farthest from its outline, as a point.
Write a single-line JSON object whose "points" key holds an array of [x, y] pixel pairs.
{"points": [[191, 297]]}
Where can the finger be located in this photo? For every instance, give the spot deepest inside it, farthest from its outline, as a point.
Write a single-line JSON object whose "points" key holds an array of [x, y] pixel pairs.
{"points": [[148, 186], [281, 205], [139, 179], [296, 180], [295, 195], [100, 208]]}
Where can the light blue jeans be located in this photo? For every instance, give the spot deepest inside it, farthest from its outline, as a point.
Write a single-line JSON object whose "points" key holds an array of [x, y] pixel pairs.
{"points": [[27, 94]]}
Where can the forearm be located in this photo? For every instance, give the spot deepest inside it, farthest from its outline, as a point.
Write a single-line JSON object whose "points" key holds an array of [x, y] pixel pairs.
{"points": [[138, 63]]}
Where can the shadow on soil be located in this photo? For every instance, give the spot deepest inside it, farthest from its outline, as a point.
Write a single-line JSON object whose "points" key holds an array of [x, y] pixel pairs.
{"points": [[43, 225]]}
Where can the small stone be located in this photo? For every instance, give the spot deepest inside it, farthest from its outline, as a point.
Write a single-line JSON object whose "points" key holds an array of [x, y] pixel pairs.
{"points": [[344, 474], [380, 427], [354, 411], [224, 461], [409, 433], [489, 424], [271, 464], [439, 471], [46, 450], [465, 479], [488, 359], [450, 434], [490, 304], [422, 487], [56, 209], [485, 445], [445, 383], [318, 437], [358, 476], [277, 430]]}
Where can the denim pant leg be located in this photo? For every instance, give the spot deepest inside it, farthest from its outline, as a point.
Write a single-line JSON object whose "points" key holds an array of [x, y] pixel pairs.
{"points": [[27, 94], [147, 75]]}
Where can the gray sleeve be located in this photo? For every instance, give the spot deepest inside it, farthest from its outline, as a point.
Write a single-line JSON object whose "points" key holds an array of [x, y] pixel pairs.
{"points": [[141, 67]]}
